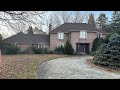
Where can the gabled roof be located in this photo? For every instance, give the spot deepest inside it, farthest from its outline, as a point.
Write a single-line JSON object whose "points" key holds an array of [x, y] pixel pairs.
{"points": [[28, 38], [67, 27]]}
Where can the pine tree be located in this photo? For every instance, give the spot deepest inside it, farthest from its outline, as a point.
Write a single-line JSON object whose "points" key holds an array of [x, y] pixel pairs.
{"points": [[102, 21], [96, 43], [115, 47], [91, 20], [115, 23], [30, 30], [102, 55], [109, 54], [68, 49]]}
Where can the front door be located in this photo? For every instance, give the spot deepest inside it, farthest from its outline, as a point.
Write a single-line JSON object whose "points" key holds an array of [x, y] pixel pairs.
{"points": [[82, 48]]}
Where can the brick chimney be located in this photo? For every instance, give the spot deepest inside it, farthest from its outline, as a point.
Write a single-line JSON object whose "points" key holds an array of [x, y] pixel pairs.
{"points": [[50, 27]]}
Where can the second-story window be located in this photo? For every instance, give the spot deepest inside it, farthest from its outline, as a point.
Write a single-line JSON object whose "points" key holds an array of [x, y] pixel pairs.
{"points": [[83, 34], [60, 35]]}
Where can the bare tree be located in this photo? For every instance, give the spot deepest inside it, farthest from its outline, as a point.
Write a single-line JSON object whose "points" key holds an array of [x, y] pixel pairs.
{"points": [[19, 18], [66, 16], [56, 18], [78, 17]]}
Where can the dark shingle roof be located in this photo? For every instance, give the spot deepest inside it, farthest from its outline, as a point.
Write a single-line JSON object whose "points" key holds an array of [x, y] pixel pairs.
{"points": [[28, 38], [66, 27]]}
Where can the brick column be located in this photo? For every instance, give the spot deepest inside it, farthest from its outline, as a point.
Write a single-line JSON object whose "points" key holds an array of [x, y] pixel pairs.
{"points": [[0, 57]]}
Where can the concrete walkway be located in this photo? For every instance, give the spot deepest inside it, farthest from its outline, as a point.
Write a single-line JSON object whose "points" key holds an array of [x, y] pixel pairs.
{"points": [[72, 68]]}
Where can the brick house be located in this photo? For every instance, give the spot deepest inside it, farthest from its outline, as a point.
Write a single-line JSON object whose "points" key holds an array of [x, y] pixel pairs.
{"points": [[26, 41], [80, 35]]}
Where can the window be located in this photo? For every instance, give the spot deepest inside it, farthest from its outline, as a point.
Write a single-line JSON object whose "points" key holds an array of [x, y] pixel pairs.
{"points": [[39, 45], [83, 34], [16, 44], [99, 35], [60, 35]]}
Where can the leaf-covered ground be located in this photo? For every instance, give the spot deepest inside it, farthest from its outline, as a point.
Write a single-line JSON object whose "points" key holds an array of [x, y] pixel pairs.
{"points": [[23, 66]]}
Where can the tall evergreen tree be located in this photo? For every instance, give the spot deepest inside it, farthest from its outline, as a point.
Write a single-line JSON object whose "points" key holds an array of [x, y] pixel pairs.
{"points": [[109, 54], [30, 30], [69, 49], [115, 23], [91, 20], [102, 21], [114, 45]]}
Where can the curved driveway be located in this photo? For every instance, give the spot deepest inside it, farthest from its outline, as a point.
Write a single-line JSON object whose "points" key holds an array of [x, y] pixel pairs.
{"points": [[72, 68]]}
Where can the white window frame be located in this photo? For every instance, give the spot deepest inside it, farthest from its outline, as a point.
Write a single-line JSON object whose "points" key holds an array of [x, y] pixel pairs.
{"points": [[101, 35], [60, 35], [16, 44], [38, 45], [83, 34]]}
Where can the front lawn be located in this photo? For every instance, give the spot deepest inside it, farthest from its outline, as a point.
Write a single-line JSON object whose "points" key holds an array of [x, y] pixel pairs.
{"points": [[23, 66]]}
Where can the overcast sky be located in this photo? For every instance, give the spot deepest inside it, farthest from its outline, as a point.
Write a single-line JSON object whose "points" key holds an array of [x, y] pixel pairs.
{"points": [[7, 32]]}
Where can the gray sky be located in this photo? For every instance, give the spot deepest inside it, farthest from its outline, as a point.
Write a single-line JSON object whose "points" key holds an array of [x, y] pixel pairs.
{"points": [[8, 32]]}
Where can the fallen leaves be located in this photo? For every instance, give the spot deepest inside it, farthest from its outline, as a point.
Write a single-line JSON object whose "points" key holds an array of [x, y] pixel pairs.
{"points": [[23, 66]]}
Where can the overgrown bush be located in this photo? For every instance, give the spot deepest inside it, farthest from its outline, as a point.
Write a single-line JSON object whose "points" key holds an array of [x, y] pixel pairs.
{"points": [[69, 49], [10, 49], [39, 50], [60, 50], [109, 54]]}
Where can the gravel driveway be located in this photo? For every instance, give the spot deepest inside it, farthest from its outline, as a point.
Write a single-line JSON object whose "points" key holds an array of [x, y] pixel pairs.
{"points": [[72, 68]]}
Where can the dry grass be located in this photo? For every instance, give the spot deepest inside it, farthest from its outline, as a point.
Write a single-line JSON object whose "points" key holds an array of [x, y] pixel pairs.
{"points": [[23, 66]]}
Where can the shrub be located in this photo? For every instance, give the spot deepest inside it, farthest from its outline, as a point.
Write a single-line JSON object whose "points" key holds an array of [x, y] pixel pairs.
{"points": [[44, 51], [69, 49], [59, 50], [51, 52], [39, 50], [10, 50]]}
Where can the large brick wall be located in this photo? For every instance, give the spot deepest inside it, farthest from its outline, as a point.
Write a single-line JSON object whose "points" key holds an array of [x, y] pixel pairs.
{"points": [[54, 41], [23, 47], [75, 38]]}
